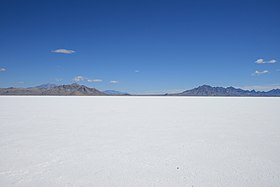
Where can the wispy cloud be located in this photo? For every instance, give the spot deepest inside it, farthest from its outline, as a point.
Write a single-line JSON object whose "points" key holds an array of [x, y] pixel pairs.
{"points": [[63, 51], [114, 82], [2, 69], [262, 61], [273, 61], [79, 78], [94, 80], [136, 71], [82, 78], [261, 72]]}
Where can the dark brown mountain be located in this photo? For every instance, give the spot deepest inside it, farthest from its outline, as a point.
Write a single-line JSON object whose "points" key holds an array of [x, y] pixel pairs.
{"points": [[72, 89]]}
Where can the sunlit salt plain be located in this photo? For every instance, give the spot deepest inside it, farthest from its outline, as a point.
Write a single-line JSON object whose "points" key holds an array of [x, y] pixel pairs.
{"points": [[139, 141]]}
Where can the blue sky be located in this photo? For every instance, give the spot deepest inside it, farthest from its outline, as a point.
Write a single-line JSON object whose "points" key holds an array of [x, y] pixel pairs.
{"points": [[140, 46]]}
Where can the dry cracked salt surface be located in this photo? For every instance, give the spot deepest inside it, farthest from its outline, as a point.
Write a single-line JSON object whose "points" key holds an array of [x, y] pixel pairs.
{"points": [[139, 141]]}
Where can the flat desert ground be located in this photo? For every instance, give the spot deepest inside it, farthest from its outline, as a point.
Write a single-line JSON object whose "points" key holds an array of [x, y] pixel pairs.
{"points": [[139, 141]]}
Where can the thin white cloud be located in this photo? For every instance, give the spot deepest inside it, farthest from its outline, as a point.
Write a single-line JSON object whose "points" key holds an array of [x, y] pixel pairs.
{"points": [[94, 80], [2, 69], [114, 82], [136, 71], [261, 72], [63, 51], [273, 61], [260, 61], [79, 78]]}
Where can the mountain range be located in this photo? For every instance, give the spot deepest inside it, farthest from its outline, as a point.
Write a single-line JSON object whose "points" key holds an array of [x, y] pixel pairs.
{"points": [[207, 90], [81, 90], [63, 90]]}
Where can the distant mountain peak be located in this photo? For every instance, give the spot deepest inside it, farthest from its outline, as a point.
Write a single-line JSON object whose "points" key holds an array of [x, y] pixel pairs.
{"points": [[205, 86], [48, 85]]}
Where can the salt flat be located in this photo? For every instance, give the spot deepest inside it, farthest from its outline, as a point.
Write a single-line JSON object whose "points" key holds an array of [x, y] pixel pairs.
{"points": [[139, 141]]}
